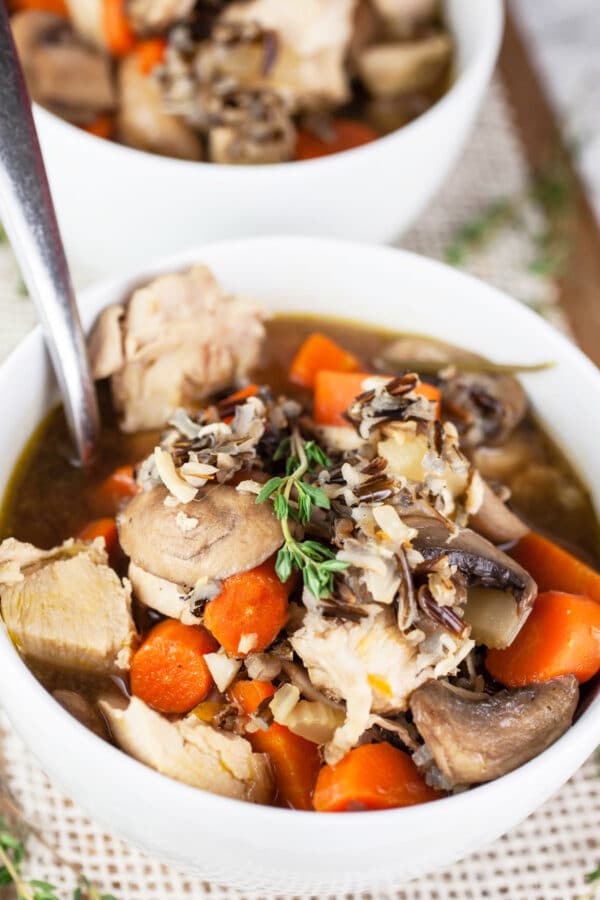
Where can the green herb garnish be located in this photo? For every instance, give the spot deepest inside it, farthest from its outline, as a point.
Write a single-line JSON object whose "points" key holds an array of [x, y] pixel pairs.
{"points": [[294, 498]]}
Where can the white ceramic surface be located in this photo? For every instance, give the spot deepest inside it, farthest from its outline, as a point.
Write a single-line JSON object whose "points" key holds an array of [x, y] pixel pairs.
{"points": [[280, 851], [119, 206]]}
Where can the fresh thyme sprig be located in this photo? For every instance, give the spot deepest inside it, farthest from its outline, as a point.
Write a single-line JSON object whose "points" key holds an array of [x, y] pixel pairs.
{"points": [[293, 498], [12, 854]]}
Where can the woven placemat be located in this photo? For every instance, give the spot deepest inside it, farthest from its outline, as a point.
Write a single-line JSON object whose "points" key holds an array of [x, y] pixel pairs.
{"points": [[546, 858]]}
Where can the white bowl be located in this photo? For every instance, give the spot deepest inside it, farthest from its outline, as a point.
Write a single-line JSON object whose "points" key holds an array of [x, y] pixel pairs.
{"points": [[119, 207], [274, 850]]}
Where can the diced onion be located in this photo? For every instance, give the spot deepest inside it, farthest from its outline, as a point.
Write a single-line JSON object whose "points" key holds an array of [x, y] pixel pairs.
{"points": [[315, 721], [222, 668], [283, 702]]}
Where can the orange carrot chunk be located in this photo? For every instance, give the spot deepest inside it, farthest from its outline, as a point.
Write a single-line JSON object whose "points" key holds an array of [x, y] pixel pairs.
{"points": [[58, 7], [345, 135], [101, 127], [561, 636], [250, 611], [373, 776], [150, 53], [111, 493], [168, 671], [295, 760], [104, 528], [118, 33], [336, 391], [250, 694], [316, 353], [555, 569]]}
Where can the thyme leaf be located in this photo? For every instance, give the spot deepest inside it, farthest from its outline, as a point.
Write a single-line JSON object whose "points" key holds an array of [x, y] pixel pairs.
{"points": [[294, 498]]}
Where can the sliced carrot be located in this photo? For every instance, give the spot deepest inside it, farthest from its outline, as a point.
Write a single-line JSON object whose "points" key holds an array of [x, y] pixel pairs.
{"points": [[373, 776], [250, 611], [555, 569], [227, 406], [250, 694], [168, 671], [101, 127], [119, 36], [150, 53], [345, 135], [295, 760], [316, 353], [58, 7], [336, 391], [104, 528], [561, 636], [109, 495]]}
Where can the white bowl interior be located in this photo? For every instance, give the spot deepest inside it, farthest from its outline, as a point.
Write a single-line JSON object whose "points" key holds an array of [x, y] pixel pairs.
{"points": [[309, 853]]}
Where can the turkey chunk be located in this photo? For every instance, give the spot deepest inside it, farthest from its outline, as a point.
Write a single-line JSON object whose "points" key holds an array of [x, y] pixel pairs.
{"points": [[313, 39], [371, 666], [178, 339], [190, 751], [66, 606]]}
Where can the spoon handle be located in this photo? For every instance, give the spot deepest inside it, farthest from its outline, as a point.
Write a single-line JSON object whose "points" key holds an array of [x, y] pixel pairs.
{"points": [[29, 219]]}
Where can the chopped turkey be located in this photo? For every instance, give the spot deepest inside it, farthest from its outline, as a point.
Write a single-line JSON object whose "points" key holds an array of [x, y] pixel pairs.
{"points": [[66, 606], [371, 666], [182, 338], [190, 751]]}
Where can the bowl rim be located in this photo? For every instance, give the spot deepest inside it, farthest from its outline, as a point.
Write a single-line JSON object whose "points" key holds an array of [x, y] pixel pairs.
{"points": [[124, 768], [479, 68]]}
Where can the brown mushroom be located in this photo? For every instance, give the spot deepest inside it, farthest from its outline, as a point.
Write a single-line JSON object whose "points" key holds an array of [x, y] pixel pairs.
{"points": [[405, 17], [64, 73], [477, 737], [495, 521], [220, 533], [485, 408], [483, 564], [143, 123], [404, 67]]}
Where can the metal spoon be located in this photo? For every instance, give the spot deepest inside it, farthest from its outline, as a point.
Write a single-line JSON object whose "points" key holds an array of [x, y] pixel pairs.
{"points": [[29, 219]]}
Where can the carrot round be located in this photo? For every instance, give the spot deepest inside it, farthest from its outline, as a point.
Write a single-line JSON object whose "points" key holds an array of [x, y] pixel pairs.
{"points": [[119, 36], [150, 53], [336, 391], [345, 135], [101, 127], [316, 353], [373, 776], [555, 569], [250, 611], [561, 636], [168, 671], [104, 528]]}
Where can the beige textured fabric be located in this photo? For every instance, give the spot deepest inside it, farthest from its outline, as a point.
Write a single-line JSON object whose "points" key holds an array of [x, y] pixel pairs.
{"points": [[547, 857]]}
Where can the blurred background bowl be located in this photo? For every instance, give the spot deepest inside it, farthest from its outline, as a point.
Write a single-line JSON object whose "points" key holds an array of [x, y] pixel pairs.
{"points": [[120, 207]]}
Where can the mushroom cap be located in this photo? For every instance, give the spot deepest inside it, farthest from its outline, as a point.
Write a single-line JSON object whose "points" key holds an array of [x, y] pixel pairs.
{"points": [[479, 560], [476, 737], [64, 72], [495, 521], [233, 534]]}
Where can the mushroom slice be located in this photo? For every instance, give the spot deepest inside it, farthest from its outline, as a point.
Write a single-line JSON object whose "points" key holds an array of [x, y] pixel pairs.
{"points": [[422, 354], [232, 534], [63, 71], [404, 17], [483, 564], [495, 521], [190, 751], [485, 408], [404, 67], [143, 123], [476, 737]]}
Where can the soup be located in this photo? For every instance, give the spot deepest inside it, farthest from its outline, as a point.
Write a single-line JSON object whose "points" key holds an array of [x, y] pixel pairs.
{"points": [[315, 563]]}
